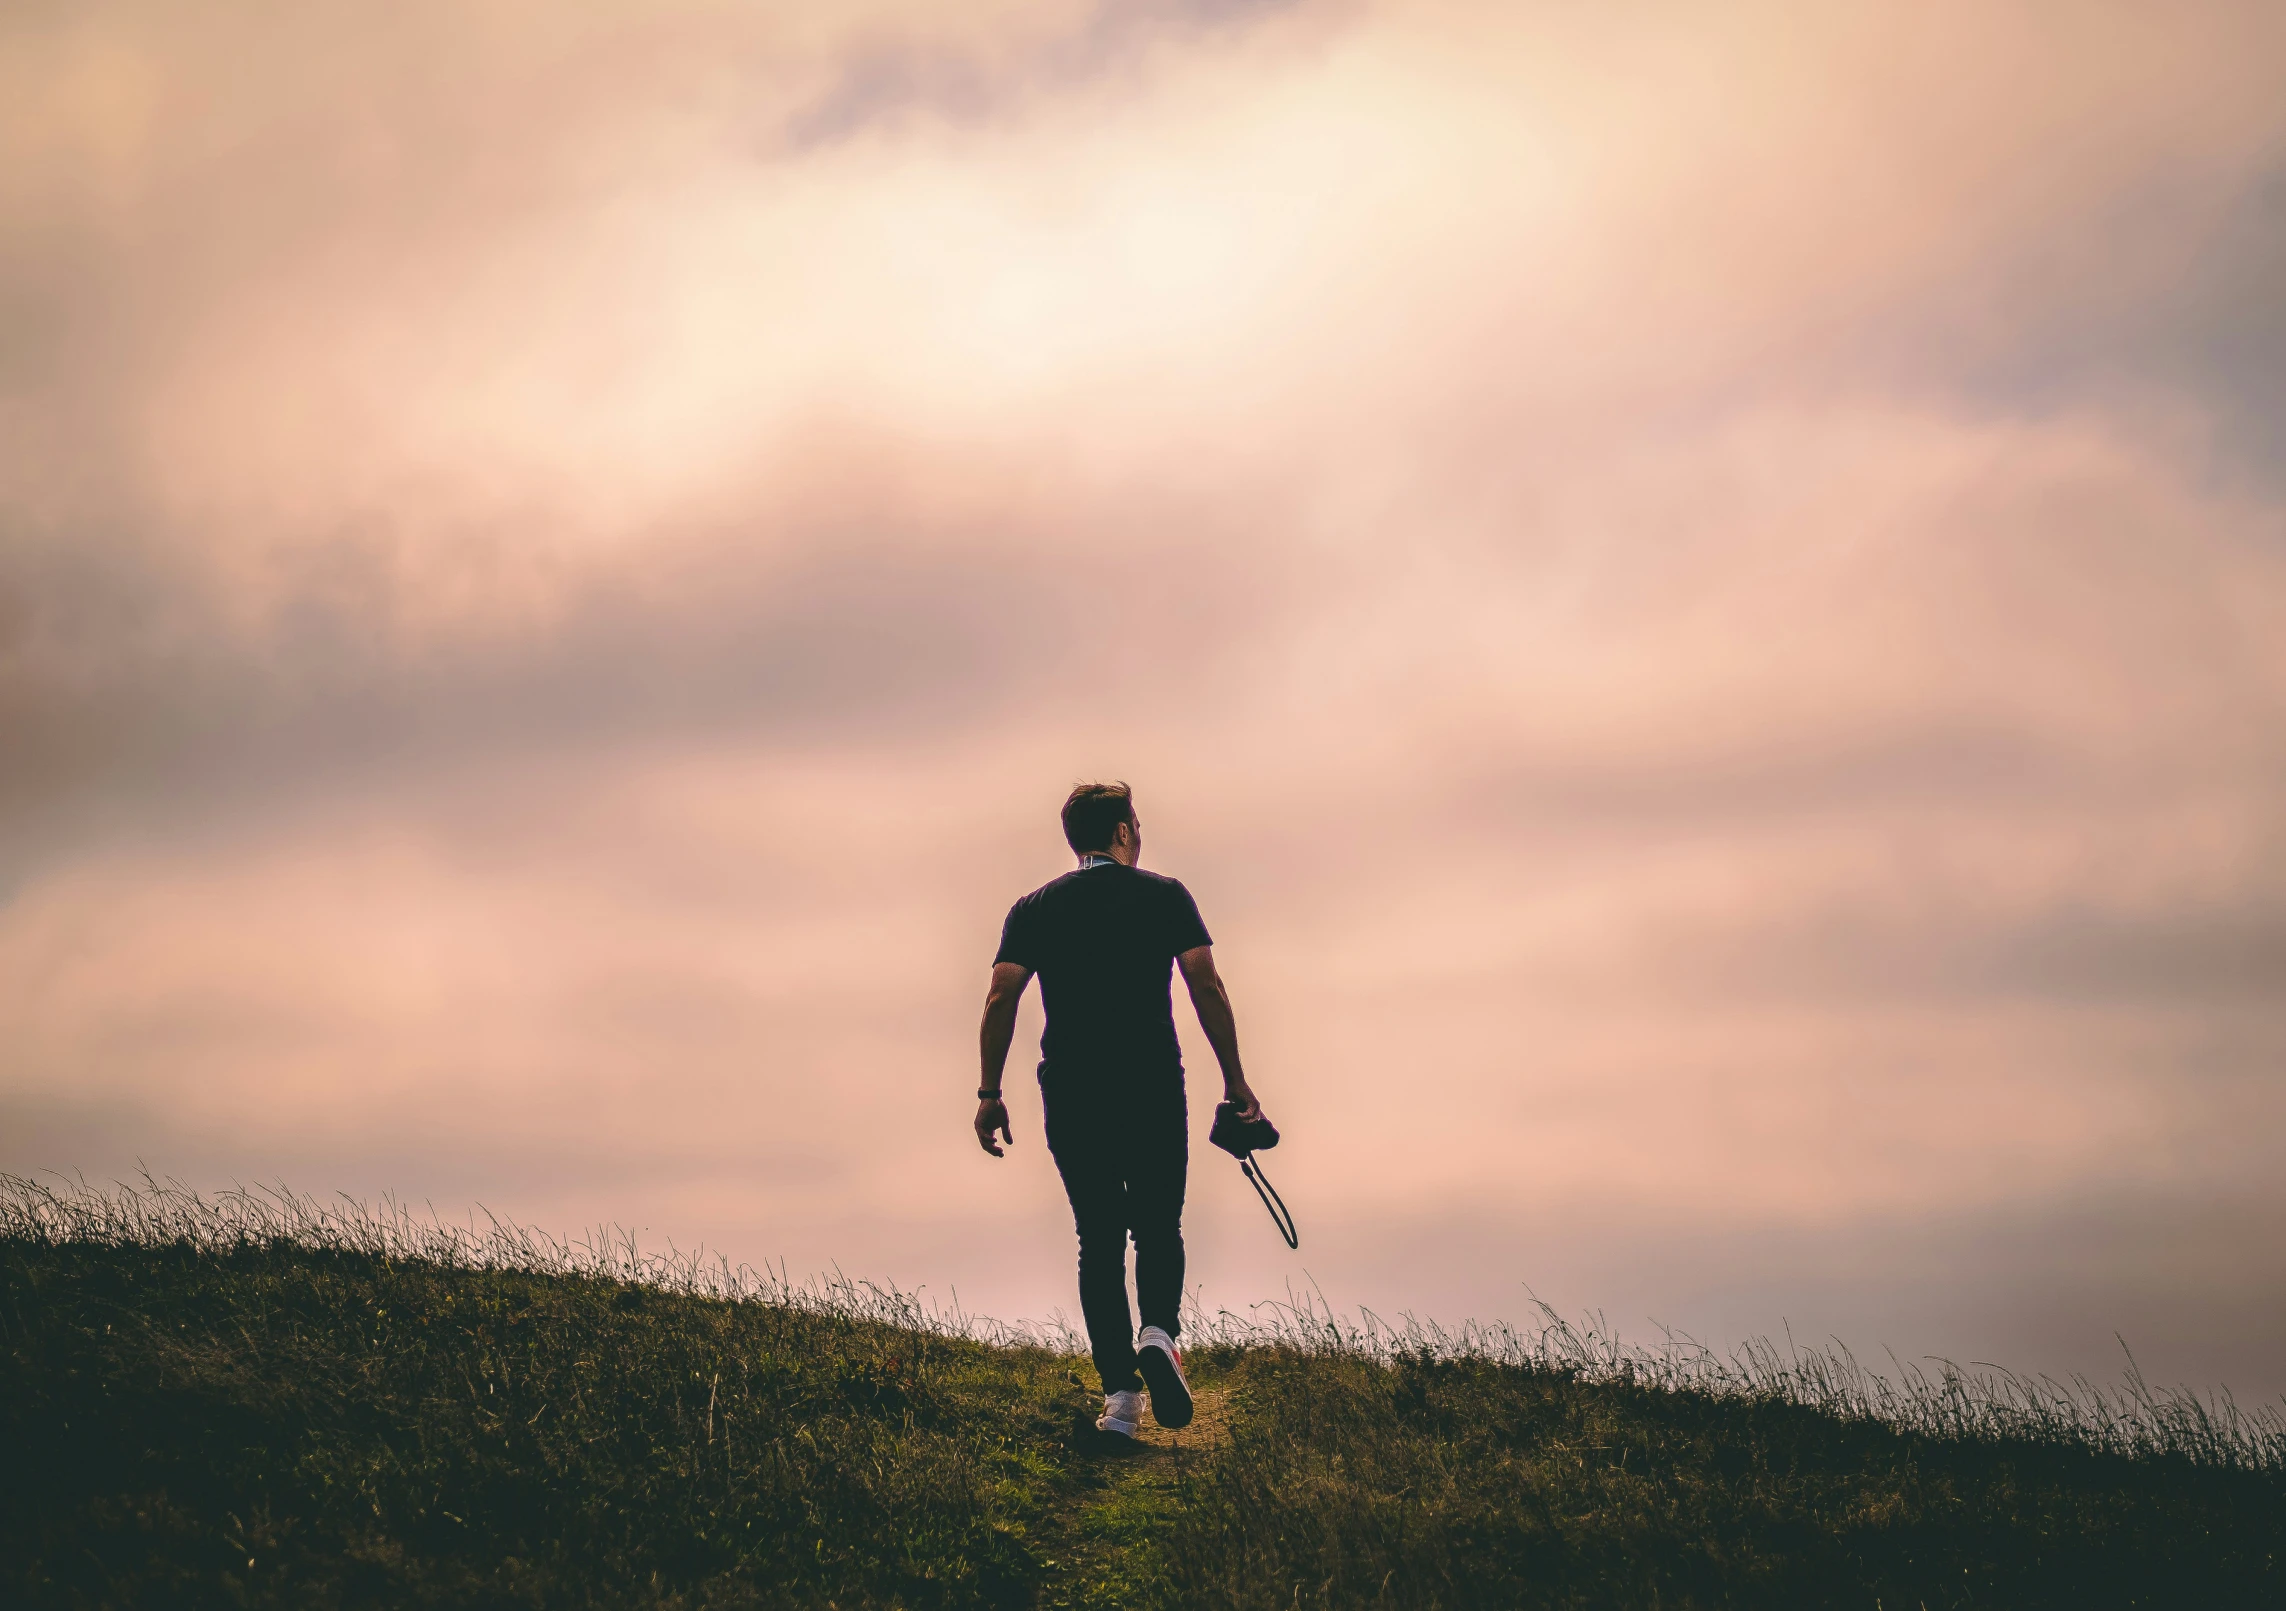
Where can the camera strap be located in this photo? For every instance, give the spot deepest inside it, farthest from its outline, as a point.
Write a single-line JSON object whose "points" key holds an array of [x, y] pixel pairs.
{"points": [[1280, 1216]]}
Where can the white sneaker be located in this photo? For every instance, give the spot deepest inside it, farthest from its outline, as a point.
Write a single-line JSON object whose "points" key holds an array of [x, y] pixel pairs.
{"points": [[1162, 1370], [1120, 1413]]}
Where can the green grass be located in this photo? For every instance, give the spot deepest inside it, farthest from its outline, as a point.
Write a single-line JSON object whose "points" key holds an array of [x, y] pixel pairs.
{"points": [[249, 1400]]}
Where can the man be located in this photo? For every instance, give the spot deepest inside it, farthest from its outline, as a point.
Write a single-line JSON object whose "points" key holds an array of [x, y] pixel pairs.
{"points": [[1111, 1081]]}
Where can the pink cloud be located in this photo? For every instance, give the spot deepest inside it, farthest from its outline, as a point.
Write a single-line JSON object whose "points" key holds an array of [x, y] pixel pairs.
{"points": [[1681, 592]]}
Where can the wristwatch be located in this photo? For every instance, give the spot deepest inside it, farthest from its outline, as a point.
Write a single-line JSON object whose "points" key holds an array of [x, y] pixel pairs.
{"points": [[988, 1096]]}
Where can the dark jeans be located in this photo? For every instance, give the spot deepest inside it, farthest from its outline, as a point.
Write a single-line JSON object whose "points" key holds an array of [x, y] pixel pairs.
{"points": [[1122, 1144]]}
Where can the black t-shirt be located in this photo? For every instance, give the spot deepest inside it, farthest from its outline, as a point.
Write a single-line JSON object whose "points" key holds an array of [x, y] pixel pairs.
{"points": [[1103, 941]]}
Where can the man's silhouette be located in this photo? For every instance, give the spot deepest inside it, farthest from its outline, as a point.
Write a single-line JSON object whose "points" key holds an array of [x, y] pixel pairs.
{"points": [[1103, 940]]}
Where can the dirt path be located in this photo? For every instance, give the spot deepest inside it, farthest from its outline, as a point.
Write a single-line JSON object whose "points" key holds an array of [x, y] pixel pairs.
{"points": [[1134, 1484], [1210, 1423]]}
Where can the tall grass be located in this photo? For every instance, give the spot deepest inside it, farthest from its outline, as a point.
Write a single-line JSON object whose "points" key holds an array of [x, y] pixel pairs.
{"points": [[154, 1213], [254, 1397], [1407, 1465], [1937, 1399]]}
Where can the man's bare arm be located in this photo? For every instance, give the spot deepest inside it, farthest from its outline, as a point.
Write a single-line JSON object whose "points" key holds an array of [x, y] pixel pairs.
{"points": [[1212, 1000], [993, 1041]]}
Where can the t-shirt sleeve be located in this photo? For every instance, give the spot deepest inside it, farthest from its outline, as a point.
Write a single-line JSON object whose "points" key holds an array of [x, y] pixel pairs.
{"points": [[1186, 930], [1019, 938]]}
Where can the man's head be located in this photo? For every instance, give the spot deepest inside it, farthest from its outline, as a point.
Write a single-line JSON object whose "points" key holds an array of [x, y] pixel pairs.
{"points": [[1101, 817]]}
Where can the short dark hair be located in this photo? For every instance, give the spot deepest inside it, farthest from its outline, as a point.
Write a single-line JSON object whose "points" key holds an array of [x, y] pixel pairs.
{"points": [[1092, 811]]}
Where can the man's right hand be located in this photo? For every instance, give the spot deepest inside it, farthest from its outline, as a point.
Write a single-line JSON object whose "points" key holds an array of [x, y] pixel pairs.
{"points": [[991, 1115]]}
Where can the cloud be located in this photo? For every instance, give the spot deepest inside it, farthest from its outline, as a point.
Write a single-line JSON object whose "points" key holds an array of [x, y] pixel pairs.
{"points": [[2159, 303], [893, 77], [1694, 596]]}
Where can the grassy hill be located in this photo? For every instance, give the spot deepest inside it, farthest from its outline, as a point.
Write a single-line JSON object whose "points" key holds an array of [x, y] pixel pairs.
{"points": [[249, 1400]]}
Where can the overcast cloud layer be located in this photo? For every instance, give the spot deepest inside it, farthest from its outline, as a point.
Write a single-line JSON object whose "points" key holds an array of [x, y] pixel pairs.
{"points": [[1700, 599]]}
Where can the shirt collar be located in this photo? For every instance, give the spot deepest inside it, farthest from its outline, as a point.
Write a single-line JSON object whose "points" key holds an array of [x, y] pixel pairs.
{"points": [[1095, 859]]}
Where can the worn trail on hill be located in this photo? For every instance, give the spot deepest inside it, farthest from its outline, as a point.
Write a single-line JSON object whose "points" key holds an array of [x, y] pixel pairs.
{"points": [[1091, 1538]]}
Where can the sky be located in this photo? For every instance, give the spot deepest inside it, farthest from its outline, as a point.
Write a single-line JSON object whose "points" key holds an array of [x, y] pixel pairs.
{"points": [[1697, 592]]}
